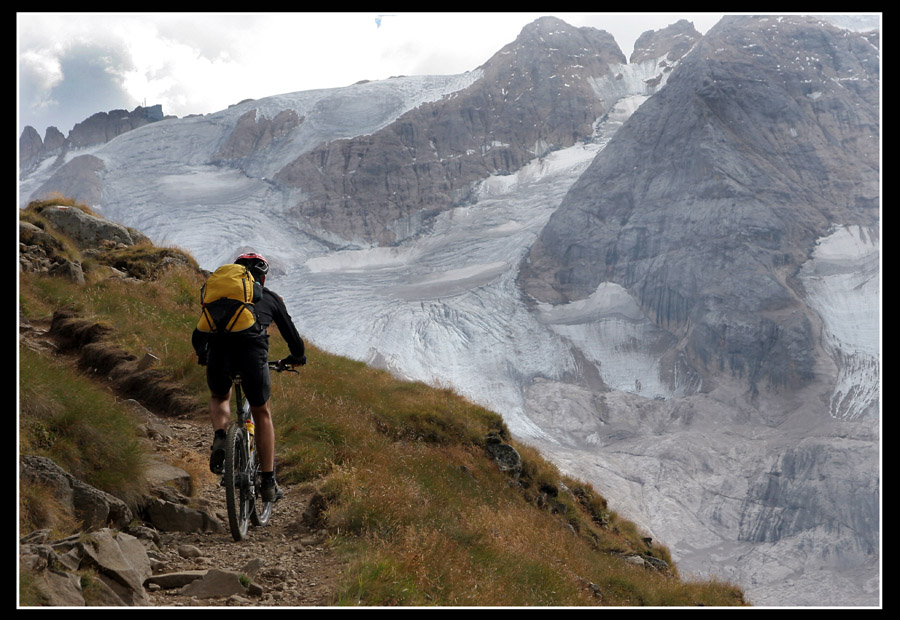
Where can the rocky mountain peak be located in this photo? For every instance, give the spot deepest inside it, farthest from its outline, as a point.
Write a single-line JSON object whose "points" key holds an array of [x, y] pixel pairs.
{"points": [[98, 128], [53, 139], [546, 25], [30, 145], [673, 42], [104, 126], [551, 43], [535, 95]]}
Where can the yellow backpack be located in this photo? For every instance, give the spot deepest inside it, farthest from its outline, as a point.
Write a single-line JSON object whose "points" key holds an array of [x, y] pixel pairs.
{"points": [[227, 299]]}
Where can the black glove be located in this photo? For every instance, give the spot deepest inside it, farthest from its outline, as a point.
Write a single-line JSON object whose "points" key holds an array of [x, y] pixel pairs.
{"points": [[202, 358], [292, 360]]}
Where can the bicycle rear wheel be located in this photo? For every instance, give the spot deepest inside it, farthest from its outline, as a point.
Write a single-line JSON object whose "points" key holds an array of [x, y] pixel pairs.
{"points": [[238, 492]]}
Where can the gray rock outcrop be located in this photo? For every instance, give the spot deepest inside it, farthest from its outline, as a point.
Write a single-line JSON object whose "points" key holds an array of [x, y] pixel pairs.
{"points": [[253, 134], [41, 252], [215, 584], [54, 141], [104, 126], [87, 230], [536, 95], [32, 149], [95, 508], [118, 560], [30, 145], [99, 128], [175, 517], [671, 42], [78, 177]]}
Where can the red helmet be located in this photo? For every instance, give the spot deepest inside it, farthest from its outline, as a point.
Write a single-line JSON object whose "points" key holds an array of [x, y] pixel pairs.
{"points": [[256, 263]]}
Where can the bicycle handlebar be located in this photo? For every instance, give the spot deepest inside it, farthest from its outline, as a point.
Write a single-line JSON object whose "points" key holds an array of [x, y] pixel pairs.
{"points": [[278, 366]]}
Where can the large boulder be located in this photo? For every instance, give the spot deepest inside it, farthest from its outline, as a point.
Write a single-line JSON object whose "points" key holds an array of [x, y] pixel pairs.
{"points": [[168, 516], [95, 508], [121, 562], [87, 230], [118, 562]]}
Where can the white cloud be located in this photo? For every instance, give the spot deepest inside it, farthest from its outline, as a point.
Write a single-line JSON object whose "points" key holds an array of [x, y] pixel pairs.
{"points": [[202, 62], [43, 72]]}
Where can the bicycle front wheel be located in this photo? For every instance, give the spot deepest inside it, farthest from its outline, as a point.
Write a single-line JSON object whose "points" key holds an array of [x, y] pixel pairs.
{"points": [[238, 494]]}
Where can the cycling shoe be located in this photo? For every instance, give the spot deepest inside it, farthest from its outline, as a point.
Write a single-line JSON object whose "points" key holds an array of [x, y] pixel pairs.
{"points": [[271, 492], [217, 455]]}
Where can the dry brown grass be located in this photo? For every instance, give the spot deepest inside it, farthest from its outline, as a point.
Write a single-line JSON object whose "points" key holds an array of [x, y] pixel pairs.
{"points": [[39, 509]]}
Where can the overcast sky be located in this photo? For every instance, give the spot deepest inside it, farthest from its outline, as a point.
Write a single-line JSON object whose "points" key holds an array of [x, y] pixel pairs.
{"points": [[72, 65]]}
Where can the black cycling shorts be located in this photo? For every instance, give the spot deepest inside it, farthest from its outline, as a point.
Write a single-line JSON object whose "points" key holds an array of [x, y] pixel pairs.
{"points": [[253, 367]]}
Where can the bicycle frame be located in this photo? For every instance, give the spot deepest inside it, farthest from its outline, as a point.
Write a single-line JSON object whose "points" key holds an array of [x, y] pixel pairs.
{"points": [[244, 417], [241, 477]]}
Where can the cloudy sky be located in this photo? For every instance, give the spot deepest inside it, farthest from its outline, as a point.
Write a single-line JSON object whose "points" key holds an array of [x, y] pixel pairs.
{"points": [[72, 65]]}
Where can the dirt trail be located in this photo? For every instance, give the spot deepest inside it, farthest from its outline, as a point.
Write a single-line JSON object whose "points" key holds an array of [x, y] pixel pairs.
{"points": [[289, 563], [296, 567]]}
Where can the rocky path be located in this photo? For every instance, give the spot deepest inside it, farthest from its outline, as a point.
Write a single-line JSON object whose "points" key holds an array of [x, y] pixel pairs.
{"points": [[288, 563]]}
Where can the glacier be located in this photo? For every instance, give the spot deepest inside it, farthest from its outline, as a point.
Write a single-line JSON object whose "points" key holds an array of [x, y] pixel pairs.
{"points": [[443, 307]]}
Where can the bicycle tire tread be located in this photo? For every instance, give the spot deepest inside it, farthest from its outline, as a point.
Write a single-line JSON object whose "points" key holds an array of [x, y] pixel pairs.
{"points": [[235, 462]]}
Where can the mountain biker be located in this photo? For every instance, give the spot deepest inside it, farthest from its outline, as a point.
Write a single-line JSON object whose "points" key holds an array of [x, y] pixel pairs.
{"points": [[247, 352]]}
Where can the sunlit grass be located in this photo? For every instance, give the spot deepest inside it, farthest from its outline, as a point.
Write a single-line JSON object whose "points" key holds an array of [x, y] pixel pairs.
{"points": [[69, 418]]}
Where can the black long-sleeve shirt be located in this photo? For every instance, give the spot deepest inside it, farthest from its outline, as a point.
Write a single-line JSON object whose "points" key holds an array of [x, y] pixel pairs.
{"points": [[269, 309]]}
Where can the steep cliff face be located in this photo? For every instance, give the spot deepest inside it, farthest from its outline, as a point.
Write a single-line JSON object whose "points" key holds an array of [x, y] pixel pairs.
{"points": [[79, 176], [254, 133], [30, 145], [707, 202], [104, 126], [536, 95]]}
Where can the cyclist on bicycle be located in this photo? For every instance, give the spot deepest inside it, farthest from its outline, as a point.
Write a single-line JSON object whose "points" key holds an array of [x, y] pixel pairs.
{"points": [[247, 352]]}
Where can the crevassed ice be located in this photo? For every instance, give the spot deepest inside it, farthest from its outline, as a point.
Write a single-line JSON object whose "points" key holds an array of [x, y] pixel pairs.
{"points": [[611, 331], [842, 283]]}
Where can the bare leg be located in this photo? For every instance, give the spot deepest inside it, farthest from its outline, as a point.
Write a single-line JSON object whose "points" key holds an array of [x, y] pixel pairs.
{"points": [[220, 411], [265, 437]]}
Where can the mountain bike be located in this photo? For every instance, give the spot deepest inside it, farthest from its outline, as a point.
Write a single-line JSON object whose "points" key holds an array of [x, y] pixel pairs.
{"points": [[241, 477]]}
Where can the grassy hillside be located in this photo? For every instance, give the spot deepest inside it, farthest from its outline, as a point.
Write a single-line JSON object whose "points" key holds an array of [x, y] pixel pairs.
{"points": [[406, 486]]}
